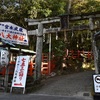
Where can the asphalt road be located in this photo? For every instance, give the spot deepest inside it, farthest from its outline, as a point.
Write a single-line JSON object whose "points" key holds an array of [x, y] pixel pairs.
{"points": [[77, 86], [38, 97]]}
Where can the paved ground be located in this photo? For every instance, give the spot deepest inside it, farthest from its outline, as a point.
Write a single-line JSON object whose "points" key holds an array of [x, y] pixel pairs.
{"points": [[5, 96], [77, 84]]}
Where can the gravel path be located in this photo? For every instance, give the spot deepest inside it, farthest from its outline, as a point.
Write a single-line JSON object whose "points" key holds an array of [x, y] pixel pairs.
{"points": [[67, 85]]}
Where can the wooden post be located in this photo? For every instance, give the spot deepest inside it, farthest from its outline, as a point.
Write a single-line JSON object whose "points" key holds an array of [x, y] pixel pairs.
{"points": [[49, 53], [94, 48], [19, 53], [38, 59], [7, 73], [68, 11], [6, 79]]}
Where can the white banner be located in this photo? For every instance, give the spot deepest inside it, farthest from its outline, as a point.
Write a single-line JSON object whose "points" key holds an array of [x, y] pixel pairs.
{"points": [[13, 33], [20, 73]]}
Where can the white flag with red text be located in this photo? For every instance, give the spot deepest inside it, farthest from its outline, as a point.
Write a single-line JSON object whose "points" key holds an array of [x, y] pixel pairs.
{"points": [[20, 73]]}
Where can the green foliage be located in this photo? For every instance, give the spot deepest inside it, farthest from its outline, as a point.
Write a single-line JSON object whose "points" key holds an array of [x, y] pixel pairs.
{"points": [[93, 5], [39, 8], [59, 48], [85, 6], [44, 8], [57, 7], [15, 12]]}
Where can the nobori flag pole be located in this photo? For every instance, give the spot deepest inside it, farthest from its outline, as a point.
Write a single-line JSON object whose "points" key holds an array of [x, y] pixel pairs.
{"points": [[7, 73], [38, 59]]}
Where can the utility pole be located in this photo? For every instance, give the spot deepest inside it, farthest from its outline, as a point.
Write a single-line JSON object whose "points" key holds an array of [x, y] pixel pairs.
{"points": [[38, 59]]}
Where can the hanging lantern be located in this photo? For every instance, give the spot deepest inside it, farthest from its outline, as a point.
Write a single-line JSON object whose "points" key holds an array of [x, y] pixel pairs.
{"points": [[4, 57]]}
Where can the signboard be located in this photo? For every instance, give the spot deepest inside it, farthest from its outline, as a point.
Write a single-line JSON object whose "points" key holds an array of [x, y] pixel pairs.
{"points": [[13, 33], [20, 73], [96, 80]]}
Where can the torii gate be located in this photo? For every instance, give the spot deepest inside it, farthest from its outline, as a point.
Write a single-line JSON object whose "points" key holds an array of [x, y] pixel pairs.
{"points": [[39, 33], [64, 22]]}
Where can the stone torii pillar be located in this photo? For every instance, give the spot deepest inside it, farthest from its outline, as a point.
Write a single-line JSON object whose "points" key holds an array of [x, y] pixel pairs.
{"points": [[94, 48], [38, 59]]}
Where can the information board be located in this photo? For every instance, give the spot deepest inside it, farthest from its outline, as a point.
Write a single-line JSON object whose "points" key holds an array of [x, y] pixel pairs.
{"points": [[96, 80]]}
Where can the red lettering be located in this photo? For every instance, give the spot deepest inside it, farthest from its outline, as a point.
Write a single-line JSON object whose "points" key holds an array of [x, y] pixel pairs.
{"points": [[15, 37], [21, 73], [2, 34], [9, 36], [21, 38], [23, 59]]}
